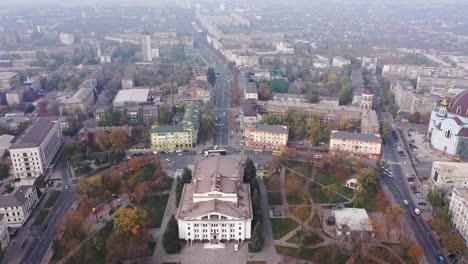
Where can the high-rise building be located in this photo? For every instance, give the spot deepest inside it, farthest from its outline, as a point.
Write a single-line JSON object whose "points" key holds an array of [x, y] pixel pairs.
{"points": [[146, 51]]}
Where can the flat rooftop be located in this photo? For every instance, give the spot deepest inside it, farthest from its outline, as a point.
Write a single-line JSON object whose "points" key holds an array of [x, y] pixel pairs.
{"points": [[131, 95], [35, 134]]}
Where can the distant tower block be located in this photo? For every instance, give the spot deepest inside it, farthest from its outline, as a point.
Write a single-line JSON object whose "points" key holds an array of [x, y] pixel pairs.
{"points": [[367, 99]]}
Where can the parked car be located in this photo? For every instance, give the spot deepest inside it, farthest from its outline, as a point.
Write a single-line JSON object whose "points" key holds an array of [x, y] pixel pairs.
{"points": [[405, 202], [413, 216], [417, 211], [422, 203], [236, 247]]}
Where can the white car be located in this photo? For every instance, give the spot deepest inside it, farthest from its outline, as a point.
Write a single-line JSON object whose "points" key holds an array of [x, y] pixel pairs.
{"points": [[179, 151], [405, 202], [417, 211], [215, 147], [236, 247], [67, 187]]}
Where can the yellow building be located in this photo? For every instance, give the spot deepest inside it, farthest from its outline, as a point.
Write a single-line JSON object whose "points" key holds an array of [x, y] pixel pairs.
{"points": [[366, 146], [172, 137], [182, 136]]}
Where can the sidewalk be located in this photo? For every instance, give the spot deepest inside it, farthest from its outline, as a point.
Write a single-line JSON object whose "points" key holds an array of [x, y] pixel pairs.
{"points": [[27, 232]]}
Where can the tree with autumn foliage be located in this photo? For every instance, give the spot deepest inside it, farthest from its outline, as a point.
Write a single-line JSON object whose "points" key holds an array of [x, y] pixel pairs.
{"points": [[453, 242], [91, 187], [135, 163], [131, 221], [265, 92], [393, 213], [141, 191], [415, 251], [101, 139], [74, 227], [301, 212], [118, 139]]}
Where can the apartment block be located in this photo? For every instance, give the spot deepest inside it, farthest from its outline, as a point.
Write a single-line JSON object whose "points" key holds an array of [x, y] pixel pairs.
{"points": [[366, 146], [16, 207], [270, 137], [33, 153], [459, 209]]}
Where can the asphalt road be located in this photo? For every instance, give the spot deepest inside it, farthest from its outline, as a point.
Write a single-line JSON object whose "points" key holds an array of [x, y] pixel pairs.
{"points": [[42, 240], [398, 185], [221, 106]]}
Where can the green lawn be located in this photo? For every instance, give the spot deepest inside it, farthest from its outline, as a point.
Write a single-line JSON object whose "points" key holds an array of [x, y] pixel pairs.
{"points": [[297, 195], [282, 226], [274, 198], [310, 238], [330, 253], [155, 206], [315, 221], [52, 199], [320, 195], [304, 168], [41, 217], [383, 254]]}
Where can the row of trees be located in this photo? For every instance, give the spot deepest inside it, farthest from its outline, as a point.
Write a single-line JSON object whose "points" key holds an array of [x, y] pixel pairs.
{"points": [[451, 240], [171, 243], [302, 126], [250, 177], [206, 123]]}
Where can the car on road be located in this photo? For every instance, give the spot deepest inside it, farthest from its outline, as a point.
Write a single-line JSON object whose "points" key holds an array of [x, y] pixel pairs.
{"points": [[417, 211], [422, 203], [236, 247], [405, 202], [441, 259], [179, 151], [179, 154], [66, 187], [413, 216], [215, 147]]}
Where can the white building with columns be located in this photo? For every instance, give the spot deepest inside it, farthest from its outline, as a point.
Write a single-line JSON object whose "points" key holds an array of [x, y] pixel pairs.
{"points": [[216, 205], [459, 209]]}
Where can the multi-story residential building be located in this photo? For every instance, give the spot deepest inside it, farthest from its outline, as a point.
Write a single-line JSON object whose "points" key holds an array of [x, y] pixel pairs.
{"points": [[136, 115], [320, 62], [446, 175], [14, 97], [271, 137], [250, 91], [82, 100], [409, 101], [216, 205], [9, 80], [328, 113], [33, 153], [181, 136], [146, 52], [339, 61], [459, 209], [18, 206], [436, 85], [369, 64], [366, 146], [448, 127], [370, 123], [4, 234], [12, 121], [249, 112], [413, 71]]}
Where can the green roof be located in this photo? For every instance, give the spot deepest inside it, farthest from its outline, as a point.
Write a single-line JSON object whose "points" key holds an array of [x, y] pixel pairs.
{"points": [[168, 129]]}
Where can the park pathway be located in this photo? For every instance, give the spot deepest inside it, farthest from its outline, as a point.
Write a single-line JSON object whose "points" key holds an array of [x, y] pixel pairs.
{"points": [[170, 210], [104, 218]]}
